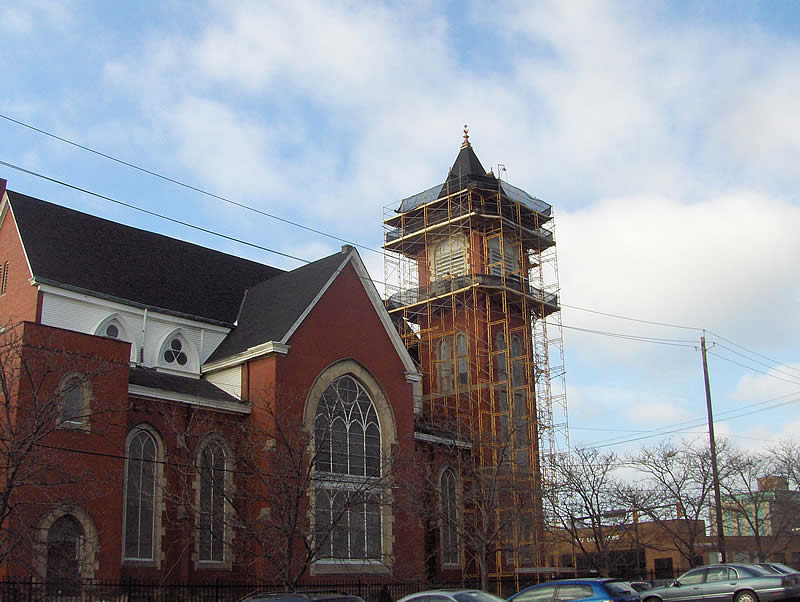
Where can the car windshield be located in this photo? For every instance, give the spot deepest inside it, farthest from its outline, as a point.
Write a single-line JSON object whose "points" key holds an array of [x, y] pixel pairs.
{"points": [[780, 567], [618, 587], [477, 597]]}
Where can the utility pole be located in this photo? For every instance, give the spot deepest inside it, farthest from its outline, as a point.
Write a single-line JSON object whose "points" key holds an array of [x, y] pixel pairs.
{"points": [[714, 471]]}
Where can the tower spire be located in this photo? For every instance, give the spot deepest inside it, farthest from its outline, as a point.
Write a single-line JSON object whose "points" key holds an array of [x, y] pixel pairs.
{"points": [[466, 143]]}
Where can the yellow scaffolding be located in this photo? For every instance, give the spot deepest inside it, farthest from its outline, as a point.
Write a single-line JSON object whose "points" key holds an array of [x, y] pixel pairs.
{"points": [[472, 286]]}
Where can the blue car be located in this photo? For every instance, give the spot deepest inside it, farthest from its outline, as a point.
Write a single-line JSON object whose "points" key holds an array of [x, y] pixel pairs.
{"points": [[590, 590]]}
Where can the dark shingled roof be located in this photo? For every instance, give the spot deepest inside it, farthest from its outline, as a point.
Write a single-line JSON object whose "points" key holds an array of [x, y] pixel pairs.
{"points": [[185, 385], [271, 308], [102, 257], [466, 164]]}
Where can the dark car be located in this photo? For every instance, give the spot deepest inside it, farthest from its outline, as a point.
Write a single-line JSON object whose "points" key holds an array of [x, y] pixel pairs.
{"points": [[614, 590], [726, 583], [451, 595], [301, 597]]}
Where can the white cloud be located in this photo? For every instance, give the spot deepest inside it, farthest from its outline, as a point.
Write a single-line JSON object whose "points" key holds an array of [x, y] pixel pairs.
{"points": [[656, 413], [773, 388], [726, 264], [23, 18]]}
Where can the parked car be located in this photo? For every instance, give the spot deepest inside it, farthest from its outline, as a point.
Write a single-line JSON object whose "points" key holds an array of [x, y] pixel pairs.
{"points": [[614, 590], [726, 583], [301, 597], [452, 595], [778, 567]]}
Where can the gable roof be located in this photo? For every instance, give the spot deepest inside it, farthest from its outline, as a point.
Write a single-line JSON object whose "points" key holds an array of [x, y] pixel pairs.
{"points": [[272, 308], [99, 257]]}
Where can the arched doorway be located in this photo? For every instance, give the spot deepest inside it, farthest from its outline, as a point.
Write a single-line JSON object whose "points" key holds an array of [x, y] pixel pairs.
{"points": [[65, 553]]}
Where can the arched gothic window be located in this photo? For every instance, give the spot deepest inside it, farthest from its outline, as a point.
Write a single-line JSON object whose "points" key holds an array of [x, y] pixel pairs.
{"points": [[141, 473], [347, 437], [448, 491], [211, 519]]}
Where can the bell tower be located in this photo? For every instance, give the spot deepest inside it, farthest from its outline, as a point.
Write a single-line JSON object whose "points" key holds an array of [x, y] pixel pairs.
{"points": [[473, 290]]}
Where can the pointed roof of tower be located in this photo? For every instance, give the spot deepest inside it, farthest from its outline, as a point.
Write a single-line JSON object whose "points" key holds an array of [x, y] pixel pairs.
{"points": [[467, 162]]}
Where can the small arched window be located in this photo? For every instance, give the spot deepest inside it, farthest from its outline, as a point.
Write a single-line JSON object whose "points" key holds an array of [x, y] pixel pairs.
{"points": [[211, 519], [517, 361], [140, 496], [444, 359], [500, 356], [75, 393], [65, 554], [449, 258], [347, 439], [448, 491], [502, 257], [462, 359]]}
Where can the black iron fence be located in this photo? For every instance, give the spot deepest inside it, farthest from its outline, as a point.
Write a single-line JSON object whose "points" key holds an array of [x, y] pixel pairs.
{"points": [[131, 590], [136, 591]]}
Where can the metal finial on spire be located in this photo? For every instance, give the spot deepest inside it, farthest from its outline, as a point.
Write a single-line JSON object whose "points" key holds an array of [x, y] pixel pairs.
{"points": [[466, 137]]}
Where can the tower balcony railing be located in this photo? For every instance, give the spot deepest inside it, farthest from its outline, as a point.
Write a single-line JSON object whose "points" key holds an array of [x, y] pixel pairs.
{"points": [[413, 296], [393, 235]]}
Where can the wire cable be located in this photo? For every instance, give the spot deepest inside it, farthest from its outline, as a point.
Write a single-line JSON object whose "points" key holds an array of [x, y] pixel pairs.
{"points": [[155, 174], [153, 213], [602, 313]]}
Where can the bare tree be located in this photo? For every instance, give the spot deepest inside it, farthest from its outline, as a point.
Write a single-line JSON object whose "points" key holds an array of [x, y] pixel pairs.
{"points": [[51, 411], [757, 500], [495, 511], [285, 496], [784, 457], [585, 504], [674, 494]]}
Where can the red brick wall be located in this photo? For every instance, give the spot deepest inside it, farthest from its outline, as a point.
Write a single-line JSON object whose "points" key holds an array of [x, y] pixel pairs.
{"points": [[84, 467], [344, 325], [21, 299]]}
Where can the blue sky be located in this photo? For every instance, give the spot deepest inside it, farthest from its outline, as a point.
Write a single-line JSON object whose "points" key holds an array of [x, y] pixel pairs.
{"points": [[665, 135]]}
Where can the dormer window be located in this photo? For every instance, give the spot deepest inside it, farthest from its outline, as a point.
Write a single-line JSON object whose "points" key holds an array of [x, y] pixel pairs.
{"points": [[174, 354]]}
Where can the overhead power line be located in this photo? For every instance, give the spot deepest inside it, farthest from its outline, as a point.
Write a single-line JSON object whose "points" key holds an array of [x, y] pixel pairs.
{"points": [[177, 182], [148, 212], [603, 313]]}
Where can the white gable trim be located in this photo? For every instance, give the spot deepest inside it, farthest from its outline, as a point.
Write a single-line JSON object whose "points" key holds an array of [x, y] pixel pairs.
{"points": [[413, 376], [352, 256], [263, 349]]}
